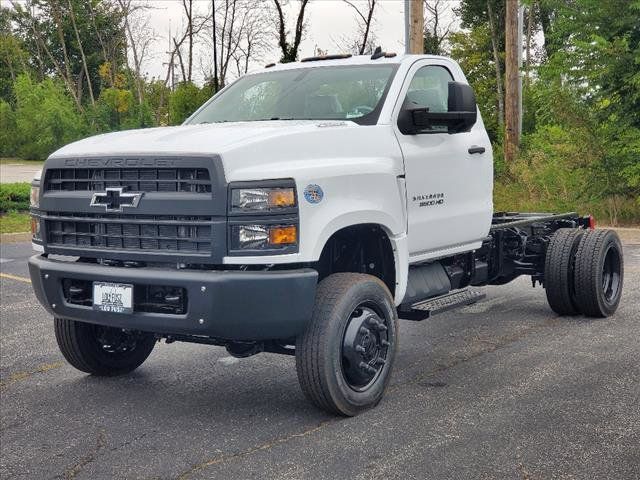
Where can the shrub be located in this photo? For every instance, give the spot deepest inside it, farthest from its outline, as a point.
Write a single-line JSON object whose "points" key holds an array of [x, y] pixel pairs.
{"points": [[14, 196], [185, 100]]}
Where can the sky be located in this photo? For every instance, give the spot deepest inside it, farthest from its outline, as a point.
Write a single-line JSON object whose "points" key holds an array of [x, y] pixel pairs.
{"points": [[328, 21]]}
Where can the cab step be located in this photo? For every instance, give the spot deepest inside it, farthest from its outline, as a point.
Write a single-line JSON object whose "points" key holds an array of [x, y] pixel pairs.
{"points": [[423, 310]]}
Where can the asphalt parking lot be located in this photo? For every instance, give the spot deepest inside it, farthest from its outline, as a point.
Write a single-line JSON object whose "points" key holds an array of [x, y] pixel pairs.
{"points": [[501, 389]]}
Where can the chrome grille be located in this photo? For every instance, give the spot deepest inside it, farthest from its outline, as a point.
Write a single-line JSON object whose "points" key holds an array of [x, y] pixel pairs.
{"points": [[192, 180], [163, 233]]}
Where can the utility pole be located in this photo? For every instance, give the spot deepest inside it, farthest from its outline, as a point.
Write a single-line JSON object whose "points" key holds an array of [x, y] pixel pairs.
{"points": [[407, 27], [416, 41], [171, 64], [513, 94]]}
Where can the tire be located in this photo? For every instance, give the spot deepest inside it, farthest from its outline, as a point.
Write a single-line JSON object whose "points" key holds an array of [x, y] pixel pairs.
{"points": [[559, 269], [599, 273], [102, 351], [345, 357]]}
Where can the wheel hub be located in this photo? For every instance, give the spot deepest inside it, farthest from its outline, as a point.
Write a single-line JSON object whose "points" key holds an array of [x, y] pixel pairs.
{"points": [[364, 348], [115, 340], [611, 274]]}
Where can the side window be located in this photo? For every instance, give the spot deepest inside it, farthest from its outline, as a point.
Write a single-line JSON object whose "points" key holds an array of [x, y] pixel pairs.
{"points": [[429, 88]]}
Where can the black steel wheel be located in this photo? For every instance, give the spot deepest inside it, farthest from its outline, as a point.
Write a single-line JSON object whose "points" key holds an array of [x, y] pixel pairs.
{"points": [[100, 350], [559, 270], [345, 357], [365, 347], [599, 273]]}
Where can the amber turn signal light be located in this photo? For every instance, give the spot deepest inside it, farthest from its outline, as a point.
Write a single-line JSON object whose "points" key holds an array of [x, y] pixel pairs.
{"points": [[283, 235]]}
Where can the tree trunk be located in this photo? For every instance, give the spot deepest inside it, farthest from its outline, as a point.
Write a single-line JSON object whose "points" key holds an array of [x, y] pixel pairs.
{"points": [[215, 47], [136, 64], [56, 16], [530, 19], [184, 74], [498, 66], [84, 58], [512, 82], [65, 77], [290, 51], [190, 19]]}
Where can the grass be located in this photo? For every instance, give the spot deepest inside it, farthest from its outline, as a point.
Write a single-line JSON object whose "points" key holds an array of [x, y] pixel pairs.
{"points": [[612, 211], [19, 161], [14, 222]]}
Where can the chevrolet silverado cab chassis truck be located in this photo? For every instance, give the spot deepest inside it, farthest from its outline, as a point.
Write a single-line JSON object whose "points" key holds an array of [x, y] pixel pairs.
{"points": [[302, 210]]}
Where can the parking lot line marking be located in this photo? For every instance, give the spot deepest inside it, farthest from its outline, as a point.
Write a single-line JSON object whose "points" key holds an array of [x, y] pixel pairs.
{"points": [[15, 277], [18, 376], [265, 446]]}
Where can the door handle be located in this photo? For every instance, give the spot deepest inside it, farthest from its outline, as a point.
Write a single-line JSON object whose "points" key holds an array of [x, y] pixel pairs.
{"points": [[476, 149]]}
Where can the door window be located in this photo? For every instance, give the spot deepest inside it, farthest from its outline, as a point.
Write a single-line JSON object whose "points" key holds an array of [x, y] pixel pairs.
{"points": [[429, 88]]}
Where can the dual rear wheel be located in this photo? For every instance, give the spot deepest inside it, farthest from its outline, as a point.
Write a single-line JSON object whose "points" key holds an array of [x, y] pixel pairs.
{"points": [[584, 271]]}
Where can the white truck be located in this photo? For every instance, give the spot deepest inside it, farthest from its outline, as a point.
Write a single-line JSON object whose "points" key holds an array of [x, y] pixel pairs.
{"points": [[302, 210]]}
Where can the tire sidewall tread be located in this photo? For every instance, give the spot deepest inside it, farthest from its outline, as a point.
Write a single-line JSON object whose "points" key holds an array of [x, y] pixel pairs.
{"points": [[559, 270], [80, 349], [589, 273]]}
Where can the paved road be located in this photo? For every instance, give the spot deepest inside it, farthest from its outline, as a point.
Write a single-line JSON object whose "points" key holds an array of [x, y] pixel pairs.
{"points": [[502, 389], [19, 172]]}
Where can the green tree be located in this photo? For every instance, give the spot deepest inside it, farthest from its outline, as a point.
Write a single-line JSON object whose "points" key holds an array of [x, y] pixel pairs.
{"points": [[70, 38], [13, 58], [8, 132], [185, 100], [472, 50], [45, 117]]}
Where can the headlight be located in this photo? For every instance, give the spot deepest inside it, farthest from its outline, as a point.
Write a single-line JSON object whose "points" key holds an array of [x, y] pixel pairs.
{"points": [[34, 198], [276, 238], [263, 200]]}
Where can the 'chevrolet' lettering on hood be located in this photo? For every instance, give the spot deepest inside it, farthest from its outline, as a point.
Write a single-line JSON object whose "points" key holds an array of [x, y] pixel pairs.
{"points": [[120, 162]]}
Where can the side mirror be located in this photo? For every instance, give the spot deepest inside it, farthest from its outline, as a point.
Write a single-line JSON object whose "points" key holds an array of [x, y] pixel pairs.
{"points": [[460, 116]]}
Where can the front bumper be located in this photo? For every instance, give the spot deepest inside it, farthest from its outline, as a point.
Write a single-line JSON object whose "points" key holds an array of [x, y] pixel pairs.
{"points": [[233, 305]]}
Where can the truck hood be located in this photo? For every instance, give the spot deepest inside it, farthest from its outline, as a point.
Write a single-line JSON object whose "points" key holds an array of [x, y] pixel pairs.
{"points": [[215, 138], [252, 150]]}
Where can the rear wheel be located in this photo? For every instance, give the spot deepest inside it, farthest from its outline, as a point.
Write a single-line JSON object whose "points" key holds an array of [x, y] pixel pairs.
{"points": [[559, 270], [102, 351], [345, 357], [599, 273]]}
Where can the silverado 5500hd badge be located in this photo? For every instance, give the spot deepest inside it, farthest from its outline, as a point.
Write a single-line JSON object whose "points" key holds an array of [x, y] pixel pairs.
{"points": [[429, 199]]}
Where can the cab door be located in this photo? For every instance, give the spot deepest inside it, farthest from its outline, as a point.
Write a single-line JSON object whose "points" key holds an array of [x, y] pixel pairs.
{"points": [[449, 176]]}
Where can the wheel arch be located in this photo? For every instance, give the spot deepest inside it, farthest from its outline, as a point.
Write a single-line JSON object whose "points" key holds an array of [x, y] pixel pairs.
{"points": [[385, 252]]}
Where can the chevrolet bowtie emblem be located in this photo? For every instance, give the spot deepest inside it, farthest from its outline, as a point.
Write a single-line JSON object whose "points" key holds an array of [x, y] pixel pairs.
{"points": [[114, 199]]}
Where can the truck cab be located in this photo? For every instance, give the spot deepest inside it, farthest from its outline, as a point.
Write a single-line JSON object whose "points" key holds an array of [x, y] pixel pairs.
{"points": [[302, 210]]}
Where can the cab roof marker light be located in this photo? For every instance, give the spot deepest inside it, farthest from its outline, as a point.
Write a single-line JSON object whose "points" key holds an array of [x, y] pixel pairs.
{"points": [[338, 56]]}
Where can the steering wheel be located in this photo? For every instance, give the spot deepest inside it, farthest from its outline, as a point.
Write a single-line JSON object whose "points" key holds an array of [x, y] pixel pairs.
{"points": [[363, 109]]}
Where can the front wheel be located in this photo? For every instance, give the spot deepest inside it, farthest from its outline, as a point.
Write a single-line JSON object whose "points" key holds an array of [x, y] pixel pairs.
{"points": [[345, 357], [102, 351]]}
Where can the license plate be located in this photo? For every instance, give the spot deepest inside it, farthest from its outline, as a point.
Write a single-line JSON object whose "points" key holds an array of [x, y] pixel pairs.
{"points": [[113, 297]]}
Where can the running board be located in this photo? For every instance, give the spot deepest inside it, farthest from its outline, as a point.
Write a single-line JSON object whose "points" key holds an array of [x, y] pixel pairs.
{"points": [[425, 309]]}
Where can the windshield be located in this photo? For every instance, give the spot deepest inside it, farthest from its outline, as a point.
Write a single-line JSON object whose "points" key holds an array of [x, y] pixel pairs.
{"points": [[319, 93]]}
